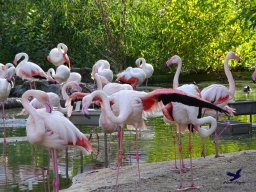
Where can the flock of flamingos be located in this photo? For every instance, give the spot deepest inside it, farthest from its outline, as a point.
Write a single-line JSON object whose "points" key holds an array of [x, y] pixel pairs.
{"points": [[121, 104]]}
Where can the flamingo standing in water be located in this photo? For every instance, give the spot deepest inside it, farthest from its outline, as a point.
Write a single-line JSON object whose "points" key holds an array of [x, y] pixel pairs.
{"points": [[126, 107], [58, 56], [5, 89], [146, 67], [220, 95], [133, 76], [28, 70], [102, 67], [51, 129]]}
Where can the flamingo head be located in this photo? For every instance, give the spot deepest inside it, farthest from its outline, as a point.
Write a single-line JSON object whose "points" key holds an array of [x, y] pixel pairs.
{"points": [[173, 60], [232, 55]]}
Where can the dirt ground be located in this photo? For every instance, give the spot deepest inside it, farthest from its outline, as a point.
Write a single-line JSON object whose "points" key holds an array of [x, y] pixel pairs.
{"points": [[210, 174]]}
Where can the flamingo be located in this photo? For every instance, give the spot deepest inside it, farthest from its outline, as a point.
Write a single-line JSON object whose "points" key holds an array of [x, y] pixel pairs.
{"points": [[254, 76], [58, 56], [51, 129], [146, 67], [60, 76], [3, 69], [68, 88], [5, 89], [126, 107], [102, 67], [132, 76], [220, 95], [28, 70], [188, 88]]}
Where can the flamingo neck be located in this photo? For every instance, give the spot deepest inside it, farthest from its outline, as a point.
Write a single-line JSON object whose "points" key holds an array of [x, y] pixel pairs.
{"points": [[231, 82], [177, 75], [207, 132], [106, 103]]}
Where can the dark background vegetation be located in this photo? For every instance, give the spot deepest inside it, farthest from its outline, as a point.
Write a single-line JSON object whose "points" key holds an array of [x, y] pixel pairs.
{"points": [[201, 32]]}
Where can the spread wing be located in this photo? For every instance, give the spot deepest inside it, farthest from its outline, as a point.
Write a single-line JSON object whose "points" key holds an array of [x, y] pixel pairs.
{"points": [[174, 95]]}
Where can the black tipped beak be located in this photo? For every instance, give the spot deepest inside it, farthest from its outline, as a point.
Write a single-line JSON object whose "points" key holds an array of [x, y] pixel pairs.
{"points": [[87, 116]]}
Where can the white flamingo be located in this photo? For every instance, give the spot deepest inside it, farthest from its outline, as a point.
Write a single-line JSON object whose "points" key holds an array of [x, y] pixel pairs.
{"points": [[146, 67], [58, 56]]}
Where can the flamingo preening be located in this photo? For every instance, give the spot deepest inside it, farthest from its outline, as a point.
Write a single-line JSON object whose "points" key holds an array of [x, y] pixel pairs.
{"points": [[220, 95], [133, 76], [146, 67], [126, 107], [51, 129], [58, 55], [102, 67]]}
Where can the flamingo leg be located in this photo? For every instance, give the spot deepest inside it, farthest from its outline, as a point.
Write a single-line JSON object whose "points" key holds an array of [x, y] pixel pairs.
{"points": [[216, 143], [55, 169], [193, 186], [3, 120], [181, 160], [119, 153], [137, 152], [174, 146]]}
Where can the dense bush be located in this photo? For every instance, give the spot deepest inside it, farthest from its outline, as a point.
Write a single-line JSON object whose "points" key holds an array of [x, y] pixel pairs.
{"points": [[201, 32]]}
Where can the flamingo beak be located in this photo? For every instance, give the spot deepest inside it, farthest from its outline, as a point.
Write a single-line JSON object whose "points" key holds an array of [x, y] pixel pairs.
{"points": [[15, 62], [49, 58], [85, 110], [66, 58], [168, 63]]}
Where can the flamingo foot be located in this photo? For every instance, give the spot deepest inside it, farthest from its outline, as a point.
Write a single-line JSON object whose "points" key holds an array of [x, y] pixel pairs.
{"points": [[217, 155], [193, 186], [203, 153]]}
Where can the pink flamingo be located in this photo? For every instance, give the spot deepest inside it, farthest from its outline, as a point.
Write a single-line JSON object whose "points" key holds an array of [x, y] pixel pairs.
{"points": [[146, 67], [28, 70], [126, 107], [254, 76], [58, 56], [3, 69], [102, 67], [132, 76], [51, 129], [60, 76], [188, 88], [220, 95], [5, 89]]}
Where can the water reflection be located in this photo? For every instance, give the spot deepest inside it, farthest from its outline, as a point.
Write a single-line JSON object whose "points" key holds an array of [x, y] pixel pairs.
{"points": [[22, 169]]}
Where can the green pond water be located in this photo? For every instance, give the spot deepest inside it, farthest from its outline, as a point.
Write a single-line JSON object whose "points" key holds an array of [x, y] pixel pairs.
{"points": [[27, 168]]}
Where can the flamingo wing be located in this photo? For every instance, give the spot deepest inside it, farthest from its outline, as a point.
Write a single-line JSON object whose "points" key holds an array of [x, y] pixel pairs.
{"points": [[173, 95]]}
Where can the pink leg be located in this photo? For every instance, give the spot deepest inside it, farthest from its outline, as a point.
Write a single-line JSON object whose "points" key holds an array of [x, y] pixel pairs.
{"points": [[3, 120], [174, 146], [137, 153], [55, 169], [181, 160], [119, 153], [216, 144]]}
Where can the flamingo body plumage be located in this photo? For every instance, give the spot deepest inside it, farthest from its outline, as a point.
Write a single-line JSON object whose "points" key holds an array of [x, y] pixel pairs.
{"points": [[28, 70], [132, 76]]}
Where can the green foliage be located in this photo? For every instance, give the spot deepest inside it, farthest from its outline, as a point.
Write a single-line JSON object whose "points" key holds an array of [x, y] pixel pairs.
{"points": [[201, 32]]}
